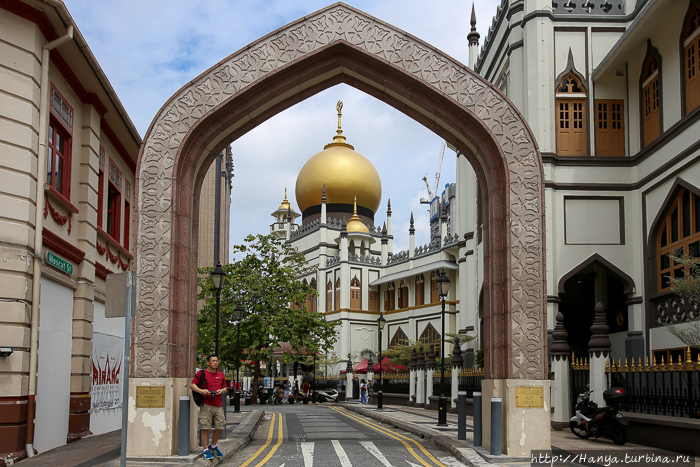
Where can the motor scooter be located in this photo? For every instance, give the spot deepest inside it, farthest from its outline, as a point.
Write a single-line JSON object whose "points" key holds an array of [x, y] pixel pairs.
{"points": [[593, 421], [327, 395]]}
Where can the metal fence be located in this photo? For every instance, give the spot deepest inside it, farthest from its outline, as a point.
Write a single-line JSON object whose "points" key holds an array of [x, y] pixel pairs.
{"points": [[469, 379], [579, 378], [671, 389]]}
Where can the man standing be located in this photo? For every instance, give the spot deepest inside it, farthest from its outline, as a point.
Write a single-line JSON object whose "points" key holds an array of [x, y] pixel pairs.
{"points": [[212, 410]]}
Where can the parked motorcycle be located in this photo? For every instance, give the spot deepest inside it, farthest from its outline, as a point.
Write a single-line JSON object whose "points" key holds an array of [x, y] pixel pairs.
{"points": [[327, 395], [593, 421]]}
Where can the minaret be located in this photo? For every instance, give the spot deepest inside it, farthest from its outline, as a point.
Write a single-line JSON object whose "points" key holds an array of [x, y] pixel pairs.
{"points": [[473, 38], [323, 205], [390, 236], [385, 249], [411, 239]]}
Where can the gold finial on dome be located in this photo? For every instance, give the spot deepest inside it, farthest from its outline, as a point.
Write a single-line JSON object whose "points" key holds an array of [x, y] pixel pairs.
{"points": [[355, 224], [285, 204], [339, 139]]}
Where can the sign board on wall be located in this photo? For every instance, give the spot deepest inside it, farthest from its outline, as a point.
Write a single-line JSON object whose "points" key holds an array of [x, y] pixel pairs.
{"points": [[107, 358], [59, 263]]}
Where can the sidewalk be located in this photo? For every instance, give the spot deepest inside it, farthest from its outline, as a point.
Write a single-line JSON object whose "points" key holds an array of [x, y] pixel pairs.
{"points": [[104, 450]]}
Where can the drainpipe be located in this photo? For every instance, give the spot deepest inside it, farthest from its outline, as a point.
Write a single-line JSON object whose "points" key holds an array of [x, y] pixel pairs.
{"points": [[38, 228]]}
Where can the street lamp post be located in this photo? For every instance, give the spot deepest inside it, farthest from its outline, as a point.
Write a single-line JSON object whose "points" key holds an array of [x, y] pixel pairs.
{"points": [[238, 311], [217, 281], [443, 284], [380, 324]]}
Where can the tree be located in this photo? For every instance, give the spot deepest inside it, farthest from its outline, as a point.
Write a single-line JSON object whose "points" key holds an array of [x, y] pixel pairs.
{"points": [[688, 289], [264, 280]]}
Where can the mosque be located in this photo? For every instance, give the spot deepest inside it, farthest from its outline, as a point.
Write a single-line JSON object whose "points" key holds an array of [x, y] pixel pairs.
{"points": [[350, 250]]}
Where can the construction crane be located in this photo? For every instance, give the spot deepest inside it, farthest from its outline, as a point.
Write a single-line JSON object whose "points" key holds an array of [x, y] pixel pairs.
{"points": [[432, 193]]}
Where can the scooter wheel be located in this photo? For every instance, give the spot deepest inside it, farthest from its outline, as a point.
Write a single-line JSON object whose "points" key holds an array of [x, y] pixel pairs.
{"points": [[579, 430], [619, 435]]}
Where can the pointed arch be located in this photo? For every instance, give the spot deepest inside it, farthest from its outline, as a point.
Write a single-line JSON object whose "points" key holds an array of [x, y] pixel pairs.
{"points": [[329, 296], [403, 294], [430, 335], [338, 44], [626, 280], [400, 338], [355, 294]]}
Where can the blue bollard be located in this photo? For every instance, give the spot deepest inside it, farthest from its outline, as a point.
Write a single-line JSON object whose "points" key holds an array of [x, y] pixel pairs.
{"points": [[477, 419], [462, 415], [183, 447], [496, 413]]}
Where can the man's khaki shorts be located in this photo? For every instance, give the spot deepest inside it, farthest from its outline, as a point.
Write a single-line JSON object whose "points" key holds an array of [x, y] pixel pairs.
{"points": [[209, 414]]}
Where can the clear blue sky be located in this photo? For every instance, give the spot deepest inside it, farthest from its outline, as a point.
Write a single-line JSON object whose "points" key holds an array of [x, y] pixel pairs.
{"points": [[150, 49]]}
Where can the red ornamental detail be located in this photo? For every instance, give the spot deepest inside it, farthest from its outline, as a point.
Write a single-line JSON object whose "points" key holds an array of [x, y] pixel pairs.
{"points": [[123, 265], [101, 249], [112, 257], [57, 217]]}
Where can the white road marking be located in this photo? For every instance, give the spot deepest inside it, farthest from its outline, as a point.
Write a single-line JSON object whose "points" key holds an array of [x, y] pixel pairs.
{"points": [[412, 464], [451, 462], [372, 449], [342, 457], [307, 450]]}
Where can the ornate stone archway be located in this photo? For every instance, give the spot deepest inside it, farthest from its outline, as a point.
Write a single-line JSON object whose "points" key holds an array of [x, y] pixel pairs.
{"points": [[339, 44]]}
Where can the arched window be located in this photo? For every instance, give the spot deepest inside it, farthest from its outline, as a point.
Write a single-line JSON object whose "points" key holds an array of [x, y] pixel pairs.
{"points": [[400, 338], [389, 297], [571, 112], [434, 291], [355, 303], [690, 38], [430, 336], [313, 307], [679, 235], [329, 296], [651, 96], [337, 294], [403, 294], [420, 290]]}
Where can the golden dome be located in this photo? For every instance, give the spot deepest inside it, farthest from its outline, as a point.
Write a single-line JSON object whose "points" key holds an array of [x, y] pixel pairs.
{"points": [[285, 203], [355, 224], [347, 174]]}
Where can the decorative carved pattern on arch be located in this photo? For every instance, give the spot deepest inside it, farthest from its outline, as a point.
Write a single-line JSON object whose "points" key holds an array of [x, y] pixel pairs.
{"points": [[471, 111]]}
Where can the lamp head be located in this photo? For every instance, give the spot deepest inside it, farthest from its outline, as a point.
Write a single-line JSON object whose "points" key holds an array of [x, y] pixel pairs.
{"points": [[217, 277], [381, 322], [238, 312], [443, 283]]}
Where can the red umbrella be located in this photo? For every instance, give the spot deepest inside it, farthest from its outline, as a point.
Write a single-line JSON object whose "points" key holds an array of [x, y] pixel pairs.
{"points": [[361, 367]]}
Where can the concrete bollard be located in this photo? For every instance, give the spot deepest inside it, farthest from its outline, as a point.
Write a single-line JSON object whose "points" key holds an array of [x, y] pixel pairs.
{"points": [[496, 413], [477, 419], [183, 446], [224, 402], [462, 415]]}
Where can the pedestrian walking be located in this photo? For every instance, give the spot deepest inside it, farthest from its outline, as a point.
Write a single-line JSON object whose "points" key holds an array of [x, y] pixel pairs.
{"points": [[285, 397], [363, 392], [211, 384]]}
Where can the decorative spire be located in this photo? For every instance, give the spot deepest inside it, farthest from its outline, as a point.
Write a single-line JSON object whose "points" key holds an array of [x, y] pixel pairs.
{"points": [[473, 36], [339, 139], [385, 237], [431, 363], [388, 208], [355, 224], [411, 229], [323, 195], [560, 347], [599, 342], [457, 355]]}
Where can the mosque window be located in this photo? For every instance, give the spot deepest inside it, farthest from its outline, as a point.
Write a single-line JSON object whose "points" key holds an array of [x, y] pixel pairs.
{"points": [[434, 291], [58, 160], [571, 115], [420, 290], [651, 97], [114, 200], [314, 303], [373, 300], [609, 127], [400, 338], [337, 294], [329, 296], [430, 336], [355, 302], [403, 294], [389, 297], [679, 235], [690, 38]]}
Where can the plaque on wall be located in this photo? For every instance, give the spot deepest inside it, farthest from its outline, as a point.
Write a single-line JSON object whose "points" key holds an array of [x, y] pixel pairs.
{"points": [[150, 397], [531, 397]]}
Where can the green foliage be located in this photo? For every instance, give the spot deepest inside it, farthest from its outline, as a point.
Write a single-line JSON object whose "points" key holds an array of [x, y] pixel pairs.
{"points": [[263, 279], [479, 358], [687, 288]]}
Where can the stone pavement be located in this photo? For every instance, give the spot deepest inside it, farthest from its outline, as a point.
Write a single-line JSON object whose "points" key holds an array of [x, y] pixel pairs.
{"points": [[104, 450]]}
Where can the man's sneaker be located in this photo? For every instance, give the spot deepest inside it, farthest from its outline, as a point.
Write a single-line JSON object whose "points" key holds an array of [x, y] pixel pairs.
{"points": [[215, 451], [208, 454]]}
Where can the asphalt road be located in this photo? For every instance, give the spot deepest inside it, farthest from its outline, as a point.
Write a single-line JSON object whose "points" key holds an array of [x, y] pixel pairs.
{"points": [[326, 435]]}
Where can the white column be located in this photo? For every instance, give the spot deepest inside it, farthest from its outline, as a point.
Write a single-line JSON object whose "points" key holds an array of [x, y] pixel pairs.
{"points": [[560, 388], [420, 389]]}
